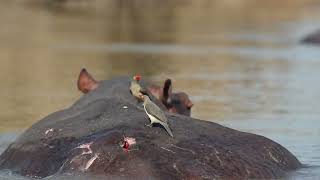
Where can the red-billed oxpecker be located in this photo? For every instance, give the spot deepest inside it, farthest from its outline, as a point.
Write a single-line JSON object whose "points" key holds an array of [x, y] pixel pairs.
{"points": [[135, 88], [155, 114]]}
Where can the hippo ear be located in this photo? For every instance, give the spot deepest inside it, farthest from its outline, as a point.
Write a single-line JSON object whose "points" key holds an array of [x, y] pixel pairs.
{"points": [[167, 90], [86, 83]]}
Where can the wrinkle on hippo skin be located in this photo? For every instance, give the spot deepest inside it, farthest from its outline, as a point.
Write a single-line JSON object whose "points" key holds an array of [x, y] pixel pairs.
{"points": [[85, 139]]}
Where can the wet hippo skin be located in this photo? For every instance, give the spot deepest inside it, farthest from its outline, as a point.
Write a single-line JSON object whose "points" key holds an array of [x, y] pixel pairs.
{"points": [[86, 137]]}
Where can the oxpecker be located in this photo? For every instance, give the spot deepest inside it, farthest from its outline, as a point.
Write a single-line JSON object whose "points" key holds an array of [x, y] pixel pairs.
{"points": [[155, 114], [135, 88]]}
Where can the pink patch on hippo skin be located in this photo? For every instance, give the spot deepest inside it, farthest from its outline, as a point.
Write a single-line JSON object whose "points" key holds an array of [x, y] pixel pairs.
{"points": [[172, 110], [127, 143], [86, 146], [90, 162], [130, 141]]}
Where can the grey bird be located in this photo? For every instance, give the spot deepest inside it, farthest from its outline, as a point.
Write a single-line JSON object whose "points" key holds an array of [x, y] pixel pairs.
{"points": [[155, 114]]}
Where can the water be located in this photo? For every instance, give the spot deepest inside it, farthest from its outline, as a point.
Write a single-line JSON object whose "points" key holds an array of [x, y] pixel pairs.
{"points": [[240, 61]]}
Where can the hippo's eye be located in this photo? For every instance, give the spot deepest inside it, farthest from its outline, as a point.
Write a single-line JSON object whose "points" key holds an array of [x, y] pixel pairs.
{"points": [[189, 108]]}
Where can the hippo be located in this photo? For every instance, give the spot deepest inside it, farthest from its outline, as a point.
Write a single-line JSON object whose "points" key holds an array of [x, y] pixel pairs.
{"points": [[104, 134], [177, 102], [313, 38]]}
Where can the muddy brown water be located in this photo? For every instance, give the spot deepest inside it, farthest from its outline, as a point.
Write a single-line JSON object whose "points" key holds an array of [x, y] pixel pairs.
{"points": [[241, 62]]}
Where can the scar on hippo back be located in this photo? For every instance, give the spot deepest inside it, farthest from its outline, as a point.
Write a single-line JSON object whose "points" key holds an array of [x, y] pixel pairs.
{"points": [[86, 82]]}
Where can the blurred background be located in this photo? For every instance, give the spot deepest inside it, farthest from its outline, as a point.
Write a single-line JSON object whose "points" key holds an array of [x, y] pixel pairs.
{"points": [[241, 61]]}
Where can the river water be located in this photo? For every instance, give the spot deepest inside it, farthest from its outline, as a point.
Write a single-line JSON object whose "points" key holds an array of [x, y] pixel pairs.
{"points": [[241, 62]]}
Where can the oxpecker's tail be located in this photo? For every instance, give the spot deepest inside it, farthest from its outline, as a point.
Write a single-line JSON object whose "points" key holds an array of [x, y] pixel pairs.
{"points": [[167, 129]]}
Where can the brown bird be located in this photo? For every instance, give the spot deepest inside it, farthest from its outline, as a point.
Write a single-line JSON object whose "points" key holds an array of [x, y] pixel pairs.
{"points": [[155, 114], [135, 88]]}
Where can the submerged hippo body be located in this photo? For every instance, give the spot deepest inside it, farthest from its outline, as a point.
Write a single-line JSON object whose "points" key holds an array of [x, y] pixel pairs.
{"points": [[313, 38], [87, 138]]}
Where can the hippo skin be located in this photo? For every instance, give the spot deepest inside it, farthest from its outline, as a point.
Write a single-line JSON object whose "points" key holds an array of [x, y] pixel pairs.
{"points": [[85, 138], [313, 38]]}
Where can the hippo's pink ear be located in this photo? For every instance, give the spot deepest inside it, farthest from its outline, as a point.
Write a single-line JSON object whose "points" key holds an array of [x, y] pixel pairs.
{"points": [[86, 83], [167, 90]]}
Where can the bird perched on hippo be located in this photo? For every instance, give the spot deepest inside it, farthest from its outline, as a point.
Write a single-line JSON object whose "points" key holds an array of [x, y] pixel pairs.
{"points": [[155, 114], [135, 88], [175, 102]]}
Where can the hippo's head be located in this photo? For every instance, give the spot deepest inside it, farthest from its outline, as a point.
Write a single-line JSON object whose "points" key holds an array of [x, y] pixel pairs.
{"points": [[178, 102]]}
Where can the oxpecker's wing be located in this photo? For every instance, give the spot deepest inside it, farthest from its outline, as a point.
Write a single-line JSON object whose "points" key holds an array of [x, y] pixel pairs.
{"points": [[136, 87], [155, 111]]}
